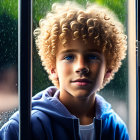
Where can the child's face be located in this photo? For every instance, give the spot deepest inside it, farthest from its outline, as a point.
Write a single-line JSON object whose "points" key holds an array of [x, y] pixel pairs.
{"points": [[79, 68]]}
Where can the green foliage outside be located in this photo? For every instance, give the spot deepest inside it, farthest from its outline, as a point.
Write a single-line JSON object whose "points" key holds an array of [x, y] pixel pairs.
{"points": [[8, 33], [40, 7]]}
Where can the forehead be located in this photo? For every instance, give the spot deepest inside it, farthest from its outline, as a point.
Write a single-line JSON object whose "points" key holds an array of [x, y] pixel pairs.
{"points": [[78, 46]]}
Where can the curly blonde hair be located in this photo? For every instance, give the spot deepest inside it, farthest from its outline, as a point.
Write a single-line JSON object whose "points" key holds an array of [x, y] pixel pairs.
{"points": [[70, 20]]}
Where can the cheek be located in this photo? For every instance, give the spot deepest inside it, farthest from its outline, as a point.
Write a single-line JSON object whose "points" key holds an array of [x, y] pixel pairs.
{"points": [[98, 71], [67, 69], [64, 70], [95, 68], [101, 73]]}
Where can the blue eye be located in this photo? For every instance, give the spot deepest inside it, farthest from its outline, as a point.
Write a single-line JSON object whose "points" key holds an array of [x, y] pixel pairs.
{"points": [[92, 57], [69, 57]]}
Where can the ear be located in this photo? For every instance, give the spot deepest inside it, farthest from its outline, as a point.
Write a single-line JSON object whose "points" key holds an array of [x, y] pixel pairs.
{"points": [[107, 74], [54, 74]]}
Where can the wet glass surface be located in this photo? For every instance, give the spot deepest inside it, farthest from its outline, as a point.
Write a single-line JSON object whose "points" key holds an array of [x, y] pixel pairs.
{"points": [[116, 92], [8, 59]]}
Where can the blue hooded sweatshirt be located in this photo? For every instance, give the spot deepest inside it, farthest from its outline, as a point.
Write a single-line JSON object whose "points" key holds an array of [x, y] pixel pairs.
{"points": [[52, 121]]}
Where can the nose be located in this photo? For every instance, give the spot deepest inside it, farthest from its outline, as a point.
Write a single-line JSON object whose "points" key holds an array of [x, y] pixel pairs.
{"points": [[81, 66]]}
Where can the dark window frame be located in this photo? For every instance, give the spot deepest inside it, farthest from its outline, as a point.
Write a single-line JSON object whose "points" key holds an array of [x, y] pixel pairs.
{"points": [[25, 67]]}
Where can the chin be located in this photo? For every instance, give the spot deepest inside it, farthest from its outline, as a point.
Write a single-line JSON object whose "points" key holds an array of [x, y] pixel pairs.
{"points": [[82, 94]]}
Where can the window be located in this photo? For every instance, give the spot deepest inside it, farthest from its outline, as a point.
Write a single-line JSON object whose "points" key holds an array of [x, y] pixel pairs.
{"points": [[121, 92]]}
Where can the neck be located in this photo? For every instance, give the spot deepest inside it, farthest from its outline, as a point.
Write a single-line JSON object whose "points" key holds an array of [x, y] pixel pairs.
{"points": [[82, 108]]}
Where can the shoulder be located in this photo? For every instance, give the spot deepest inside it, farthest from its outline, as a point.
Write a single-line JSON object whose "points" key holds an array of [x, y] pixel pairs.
{"points": [[39, 116], [114, 126], [41, 125], [112, 118], [10, 130]]}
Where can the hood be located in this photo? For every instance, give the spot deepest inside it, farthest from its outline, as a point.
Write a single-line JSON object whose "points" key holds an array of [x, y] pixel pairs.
{"points": [[48, 102]]}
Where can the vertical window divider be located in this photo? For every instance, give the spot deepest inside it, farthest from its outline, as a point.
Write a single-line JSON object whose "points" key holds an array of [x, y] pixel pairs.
{"points": [[132, 67], [25, 67], [138, 65]]}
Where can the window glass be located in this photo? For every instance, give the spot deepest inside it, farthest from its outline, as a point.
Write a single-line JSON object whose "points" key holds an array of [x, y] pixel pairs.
{"points": [[8, 59], [116, 92]]}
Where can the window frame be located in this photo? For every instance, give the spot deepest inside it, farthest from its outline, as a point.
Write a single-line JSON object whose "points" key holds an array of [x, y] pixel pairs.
{"points": [[137, 66], [25, 67], [132, 70]]}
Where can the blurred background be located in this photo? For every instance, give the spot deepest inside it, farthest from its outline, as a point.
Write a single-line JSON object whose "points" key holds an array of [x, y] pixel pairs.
{"points": [[8, 59], [116, 92]]}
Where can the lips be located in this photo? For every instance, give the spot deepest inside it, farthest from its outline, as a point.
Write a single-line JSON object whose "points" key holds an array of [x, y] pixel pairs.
{"points": [[81, 82]]}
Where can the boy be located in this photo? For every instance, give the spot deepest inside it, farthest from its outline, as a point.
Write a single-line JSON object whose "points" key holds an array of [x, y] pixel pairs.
{"points": [[81, 50]]}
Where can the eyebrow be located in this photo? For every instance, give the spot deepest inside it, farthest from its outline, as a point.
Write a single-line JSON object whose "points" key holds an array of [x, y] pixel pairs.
{"points": [[74, 50]]}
